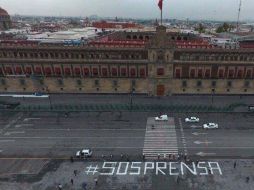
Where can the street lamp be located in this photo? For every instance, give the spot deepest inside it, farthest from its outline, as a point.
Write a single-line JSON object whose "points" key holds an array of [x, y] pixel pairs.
{"points": [[131, 102], [47, 89]]}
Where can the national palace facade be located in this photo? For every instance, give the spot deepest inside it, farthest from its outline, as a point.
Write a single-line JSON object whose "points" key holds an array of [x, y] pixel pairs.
{"points": [[154, 63]]}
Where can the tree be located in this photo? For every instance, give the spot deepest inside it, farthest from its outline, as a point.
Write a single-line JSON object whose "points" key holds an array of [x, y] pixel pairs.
{"points": [[224, 28], [201, 28]]}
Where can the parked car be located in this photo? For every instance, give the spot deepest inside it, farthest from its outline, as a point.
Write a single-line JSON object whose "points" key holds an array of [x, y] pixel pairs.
{"points": [[161, 118], [192, 120], [211, 126], [84, 153]]}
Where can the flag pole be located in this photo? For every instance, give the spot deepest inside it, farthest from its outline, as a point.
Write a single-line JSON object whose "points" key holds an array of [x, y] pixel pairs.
{"points": [[161, 15]]}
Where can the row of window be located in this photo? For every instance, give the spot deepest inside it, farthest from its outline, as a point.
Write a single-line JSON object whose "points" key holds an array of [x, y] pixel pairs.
{"points": [[67, 55], [199, 83], [215, 57], [222, 72], [92, 71]]}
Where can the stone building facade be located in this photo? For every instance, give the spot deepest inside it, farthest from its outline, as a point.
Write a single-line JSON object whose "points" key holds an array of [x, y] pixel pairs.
{"points": [[159, 64]]}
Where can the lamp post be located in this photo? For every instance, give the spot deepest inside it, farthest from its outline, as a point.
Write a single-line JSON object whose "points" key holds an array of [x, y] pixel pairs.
{"points": [[50, 103], [131, 101]]}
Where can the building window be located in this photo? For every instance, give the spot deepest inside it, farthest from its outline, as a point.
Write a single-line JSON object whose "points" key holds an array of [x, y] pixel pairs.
{"points": [[41, 81], [77, 71], [246, 83], [184, 83], [214, 84], [18, 70], [231, 73], [160, 71], [60, 82], [199, 83], [3, 82], [142, 73], [8, 71], [96, 83], [38, 71], [79, 82], [133, 72], [133, 83], [86, 72], [48, 71], [248, 73], [58, 71], [221, 73], [115, 83], [28, 70], [192, 73], [200, 73], [67, 71], [229, 83], [207, 73], [114, 72], [22, 82], [95, 72], [104, 72], [240, 74], [1, 72], [178, 73], [123, 72]]}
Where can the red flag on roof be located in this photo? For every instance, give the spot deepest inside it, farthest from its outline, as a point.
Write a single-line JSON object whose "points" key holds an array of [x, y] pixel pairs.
{"points": [[160, 4]]}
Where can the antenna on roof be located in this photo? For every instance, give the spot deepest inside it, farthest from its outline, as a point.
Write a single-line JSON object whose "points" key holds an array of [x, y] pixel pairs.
{"points": [[238, 18]]}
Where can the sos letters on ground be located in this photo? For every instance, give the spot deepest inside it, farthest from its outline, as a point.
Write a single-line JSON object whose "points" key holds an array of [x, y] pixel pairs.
{"points": [[160, 168]]}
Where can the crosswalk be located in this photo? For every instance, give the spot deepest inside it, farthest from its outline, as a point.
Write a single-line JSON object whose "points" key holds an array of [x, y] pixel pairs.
{"points": [[160, 139]]}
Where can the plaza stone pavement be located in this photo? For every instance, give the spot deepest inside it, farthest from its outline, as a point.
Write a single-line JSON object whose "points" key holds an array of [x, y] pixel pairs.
{"points": [[231, 179]]}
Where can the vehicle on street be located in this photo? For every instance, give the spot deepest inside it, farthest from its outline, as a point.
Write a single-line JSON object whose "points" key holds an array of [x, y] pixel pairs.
{"points": [[161, 118], [85, 153], [192, 120], [211, 126]]}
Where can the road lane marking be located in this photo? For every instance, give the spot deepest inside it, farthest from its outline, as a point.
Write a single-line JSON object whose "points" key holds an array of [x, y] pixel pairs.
{"points": [[196, 133], [82, 129], [7, 140], [28, 119], [24, 125], [205, 154], [14, 132], [12, 122], [199, 142]]}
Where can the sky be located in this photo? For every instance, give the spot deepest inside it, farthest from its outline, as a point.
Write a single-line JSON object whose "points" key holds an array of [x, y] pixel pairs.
{"points": [[148, 9]]}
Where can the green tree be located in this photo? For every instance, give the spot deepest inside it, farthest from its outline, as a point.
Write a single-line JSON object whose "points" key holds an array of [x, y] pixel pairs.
{"points": [[200, 28]]}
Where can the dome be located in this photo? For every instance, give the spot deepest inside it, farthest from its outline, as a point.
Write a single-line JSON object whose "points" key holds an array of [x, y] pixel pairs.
{"points": [[3, 12]]}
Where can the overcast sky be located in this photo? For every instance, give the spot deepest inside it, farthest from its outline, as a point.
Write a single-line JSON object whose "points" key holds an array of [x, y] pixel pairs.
{"points": [[179, 9]]}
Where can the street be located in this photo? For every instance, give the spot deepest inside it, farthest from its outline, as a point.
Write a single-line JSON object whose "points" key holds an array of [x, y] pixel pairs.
{"points": [[51, 135]]}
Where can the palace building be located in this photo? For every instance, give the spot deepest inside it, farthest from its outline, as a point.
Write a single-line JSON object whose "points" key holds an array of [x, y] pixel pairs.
{"points": [[156, 63]]}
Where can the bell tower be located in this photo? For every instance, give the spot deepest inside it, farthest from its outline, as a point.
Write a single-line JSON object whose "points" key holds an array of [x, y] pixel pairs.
{"points": [[160, 53]]}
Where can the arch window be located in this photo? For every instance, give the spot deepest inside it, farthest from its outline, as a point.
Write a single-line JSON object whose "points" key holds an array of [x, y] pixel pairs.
{"points": [[28, 70], [57, 71], [123, 72], [104, 72], [86, 72], [192, 73], [133, 72], [48, 71], [18, 70], [95, 72], [38, 70], [67, 71], [142, 73], [77, 71], [114, 72]]}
